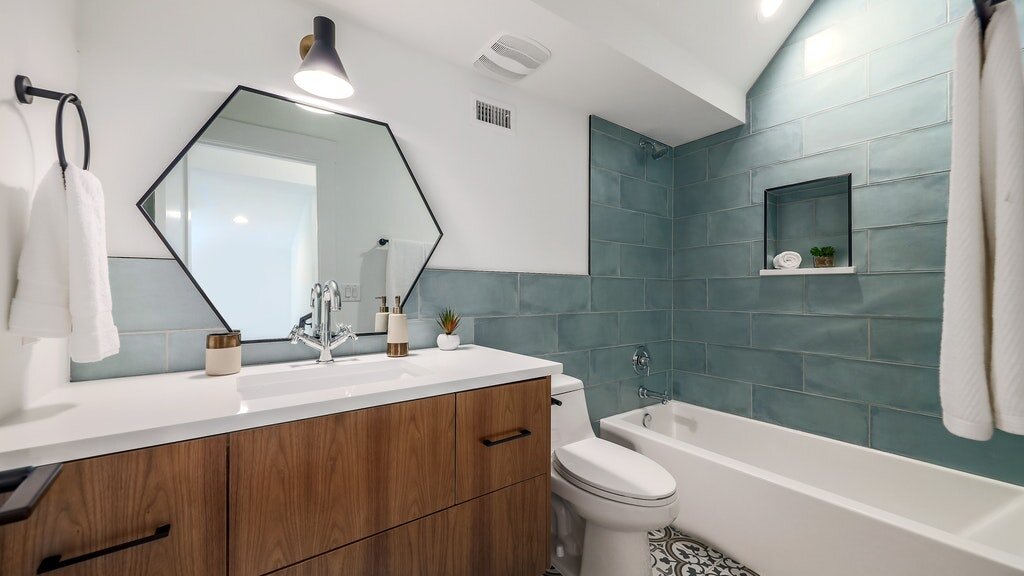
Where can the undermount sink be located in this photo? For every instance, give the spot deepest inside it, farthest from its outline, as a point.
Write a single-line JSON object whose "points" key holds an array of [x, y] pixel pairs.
{"points": [[343, 375]]}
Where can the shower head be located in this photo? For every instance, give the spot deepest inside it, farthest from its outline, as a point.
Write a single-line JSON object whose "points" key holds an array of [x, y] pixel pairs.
{"points": [[656, 150]]}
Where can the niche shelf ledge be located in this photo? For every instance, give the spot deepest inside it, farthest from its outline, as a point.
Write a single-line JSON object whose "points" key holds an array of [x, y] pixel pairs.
{"points": [[810, 271]]}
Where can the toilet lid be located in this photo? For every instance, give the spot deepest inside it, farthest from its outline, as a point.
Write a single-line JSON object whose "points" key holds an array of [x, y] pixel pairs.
{"points": [[612, 469]]}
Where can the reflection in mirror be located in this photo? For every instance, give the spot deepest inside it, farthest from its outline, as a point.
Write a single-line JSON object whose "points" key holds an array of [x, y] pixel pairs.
{"points": [[273, 196], [801, 216]]}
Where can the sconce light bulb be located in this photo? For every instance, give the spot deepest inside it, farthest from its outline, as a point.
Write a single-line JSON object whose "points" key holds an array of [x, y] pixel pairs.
{"points": [[323, 84]]}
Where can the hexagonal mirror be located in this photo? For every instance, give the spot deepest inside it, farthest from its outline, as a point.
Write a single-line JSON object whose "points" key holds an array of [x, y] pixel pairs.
{"points": [[272, 196]]}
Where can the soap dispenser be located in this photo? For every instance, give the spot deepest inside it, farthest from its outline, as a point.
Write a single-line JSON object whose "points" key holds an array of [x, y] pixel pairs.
{"points": [[398, 331], [380, 320]]}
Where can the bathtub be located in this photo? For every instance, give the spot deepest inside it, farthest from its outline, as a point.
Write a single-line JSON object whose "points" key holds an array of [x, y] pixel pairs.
{"points": [[787, 503]]}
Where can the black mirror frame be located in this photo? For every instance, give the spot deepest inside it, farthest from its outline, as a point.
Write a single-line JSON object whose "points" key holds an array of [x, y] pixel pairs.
{"points": [[199, 134]]}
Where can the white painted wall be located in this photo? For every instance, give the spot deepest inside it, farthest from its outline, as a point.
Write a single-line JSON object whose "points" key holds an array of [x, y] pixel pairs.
{"points": [[153, 71], [36, 39], [150, 73]]}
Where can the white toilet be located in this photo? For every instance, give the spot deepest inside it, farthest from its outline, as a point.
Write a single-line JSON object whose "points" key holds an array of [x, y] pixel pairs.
{"points": [[605, 498]]}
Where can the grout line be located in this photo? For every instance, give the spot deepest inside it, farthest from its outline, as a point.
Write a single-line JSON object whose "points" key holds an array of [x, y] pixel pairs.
{"points": [[847, 146], [868, 96], [174, 331], [870, 410], [869, 339], [867, 184], [853, 59]]}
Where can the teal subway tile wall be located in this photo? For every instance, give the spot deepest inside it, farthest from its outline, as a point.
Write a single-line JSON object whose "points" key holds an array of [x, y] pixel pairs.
{"points": [[847, 357], [591, 324]]}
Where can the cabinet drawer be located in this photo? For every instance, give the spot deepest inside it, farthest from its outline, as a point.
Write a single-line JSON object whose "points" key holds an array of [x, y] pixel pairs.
{"points": [[504, 436], [419, 548], [504, 533], [104, 502], [309, 487]]}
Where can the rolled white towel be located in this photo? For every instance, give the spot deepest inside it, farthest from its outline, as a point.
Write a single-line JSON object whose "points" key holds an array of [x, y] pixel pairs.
{"points": [[787, 260]]}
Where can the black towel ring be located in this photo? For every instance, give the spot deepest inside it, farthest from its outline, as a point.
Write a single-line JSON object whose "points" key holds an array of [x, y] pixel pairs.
{"points": [[69, 97], [985, 10], [25, 91]]}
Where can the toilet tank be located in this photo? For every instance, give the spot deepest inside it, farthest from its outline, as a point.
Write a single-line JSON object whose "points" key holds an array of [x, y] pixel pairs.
{"points": [[570, 421]]}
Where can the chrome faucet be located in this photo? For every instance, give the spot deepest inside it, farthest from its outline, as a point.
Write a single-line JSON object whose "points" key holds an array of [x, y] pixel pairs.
{"points": [[643, 392], [323, 299], [642, 366]]}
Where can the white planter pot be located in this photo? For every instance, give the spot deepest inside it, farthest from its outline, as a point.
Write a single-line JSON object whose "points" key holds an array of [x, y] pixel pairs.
{"points": [[448, 341]]}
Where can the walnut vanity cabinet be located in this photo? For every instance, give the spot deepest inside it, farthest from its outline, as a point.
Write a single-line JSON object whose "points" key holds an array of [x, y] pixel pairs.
{"points": [[308, 487], [499, 442], [504, 436], [452, 485], [164, 506], [419, 548], [504, 533]]}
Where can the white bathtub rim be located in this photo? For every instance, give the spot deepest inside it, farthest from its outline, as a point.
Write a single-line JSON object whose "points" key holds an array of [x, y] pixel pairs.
{"points": [[962, 543]]}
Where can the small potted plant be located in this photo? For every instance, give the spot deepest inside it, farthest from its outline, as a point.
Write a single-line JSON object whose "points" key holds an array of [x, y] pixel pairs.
{"points": [[449, 321], [824, 256]]}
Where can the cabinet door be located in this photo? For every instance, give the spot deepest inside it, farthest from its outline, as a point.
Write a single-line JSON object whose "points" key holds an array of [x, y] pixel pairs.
{"points": [[308, 487], [504, 533], [102, 503], [504, 436], [419, 548]]}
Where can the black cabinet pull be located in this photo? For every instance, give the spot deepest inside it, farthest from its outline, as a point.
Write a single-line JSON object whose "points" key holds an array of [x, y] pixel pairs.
{"points": [[29, 486], [51, 563], [555, 401], [523, 433]]}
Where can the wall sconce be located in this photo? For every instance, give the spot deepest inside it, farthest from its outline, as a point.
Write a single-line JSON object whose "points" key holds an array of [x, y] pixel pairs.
{"points": [[321, 72]]}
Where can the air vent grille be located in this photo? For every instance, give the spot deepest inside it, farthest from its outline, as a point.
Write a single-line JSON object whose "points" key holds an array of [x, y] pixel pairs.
{"points": [[485, 63], [509, 51], [512, 57], [493, 114]]}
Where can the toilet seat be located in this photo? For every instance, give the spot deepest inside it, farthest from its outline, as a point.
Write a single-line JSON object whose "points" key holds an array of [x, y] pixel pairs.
{"points": [[614, 473]]}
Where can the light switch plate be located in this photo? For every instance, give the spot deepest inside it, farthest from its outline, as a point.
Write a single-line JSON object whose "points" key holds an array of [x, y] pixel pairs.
{"points": [[349, 292]]}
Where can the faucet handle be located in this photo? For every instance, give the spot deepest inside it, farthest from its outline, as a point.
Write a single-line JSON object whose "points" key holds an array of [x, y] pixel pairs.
{"points": [[344, 334], [300, 328]]}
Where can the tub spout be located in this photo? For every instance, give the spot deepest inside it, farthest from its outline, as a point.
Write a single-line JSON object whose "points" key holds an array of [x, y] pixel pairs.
{"points": [[645, 393]]}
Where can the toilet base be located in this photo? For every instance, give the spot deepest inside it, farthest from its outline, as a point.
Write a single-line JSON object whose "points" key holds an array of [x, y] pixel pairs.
{"points": [[612, 553]]}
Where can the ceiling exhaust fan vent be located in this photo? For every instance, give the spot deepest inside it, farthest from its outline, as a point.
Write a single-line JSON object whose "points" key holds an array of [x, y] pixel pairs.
{"points": [[512, 57], [486, 64], [494, 114]]}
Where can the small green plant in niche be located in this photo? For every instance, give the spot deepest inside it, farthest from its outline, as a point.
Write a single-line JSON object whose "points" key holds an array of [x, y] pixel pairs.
{"points": [[824, 256], [449, 322]]}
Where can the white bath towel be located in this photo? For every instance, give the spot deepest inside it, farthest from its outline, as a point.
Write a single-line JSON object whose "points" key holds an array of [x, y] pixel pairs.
{"points": [[787, 260], [40, 306], [405, 260], [983, 309], [63, 283], [93, 334], [1002, 88]]}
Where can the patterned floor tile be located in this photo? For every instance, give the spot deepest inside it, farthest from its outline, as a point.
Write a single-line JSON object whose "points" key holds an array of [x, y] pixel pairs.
{"points": [[676, 554]]}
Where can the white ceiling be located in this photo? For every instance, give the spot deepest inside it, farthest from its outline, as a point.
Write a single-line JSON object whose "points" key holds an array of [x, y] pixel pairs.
{"points": [[676, 70], [724, 34]]}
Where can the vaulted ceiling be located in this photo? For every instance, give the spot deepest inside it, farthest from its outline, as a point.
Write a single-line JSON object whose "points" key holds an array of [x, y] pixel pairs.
{"points": [[676, 70]]}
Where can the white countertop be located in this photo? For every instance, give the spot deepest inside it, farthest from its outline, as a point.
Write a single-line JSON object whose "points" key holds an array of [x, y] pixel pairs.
{"points": [[86, 419]]}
